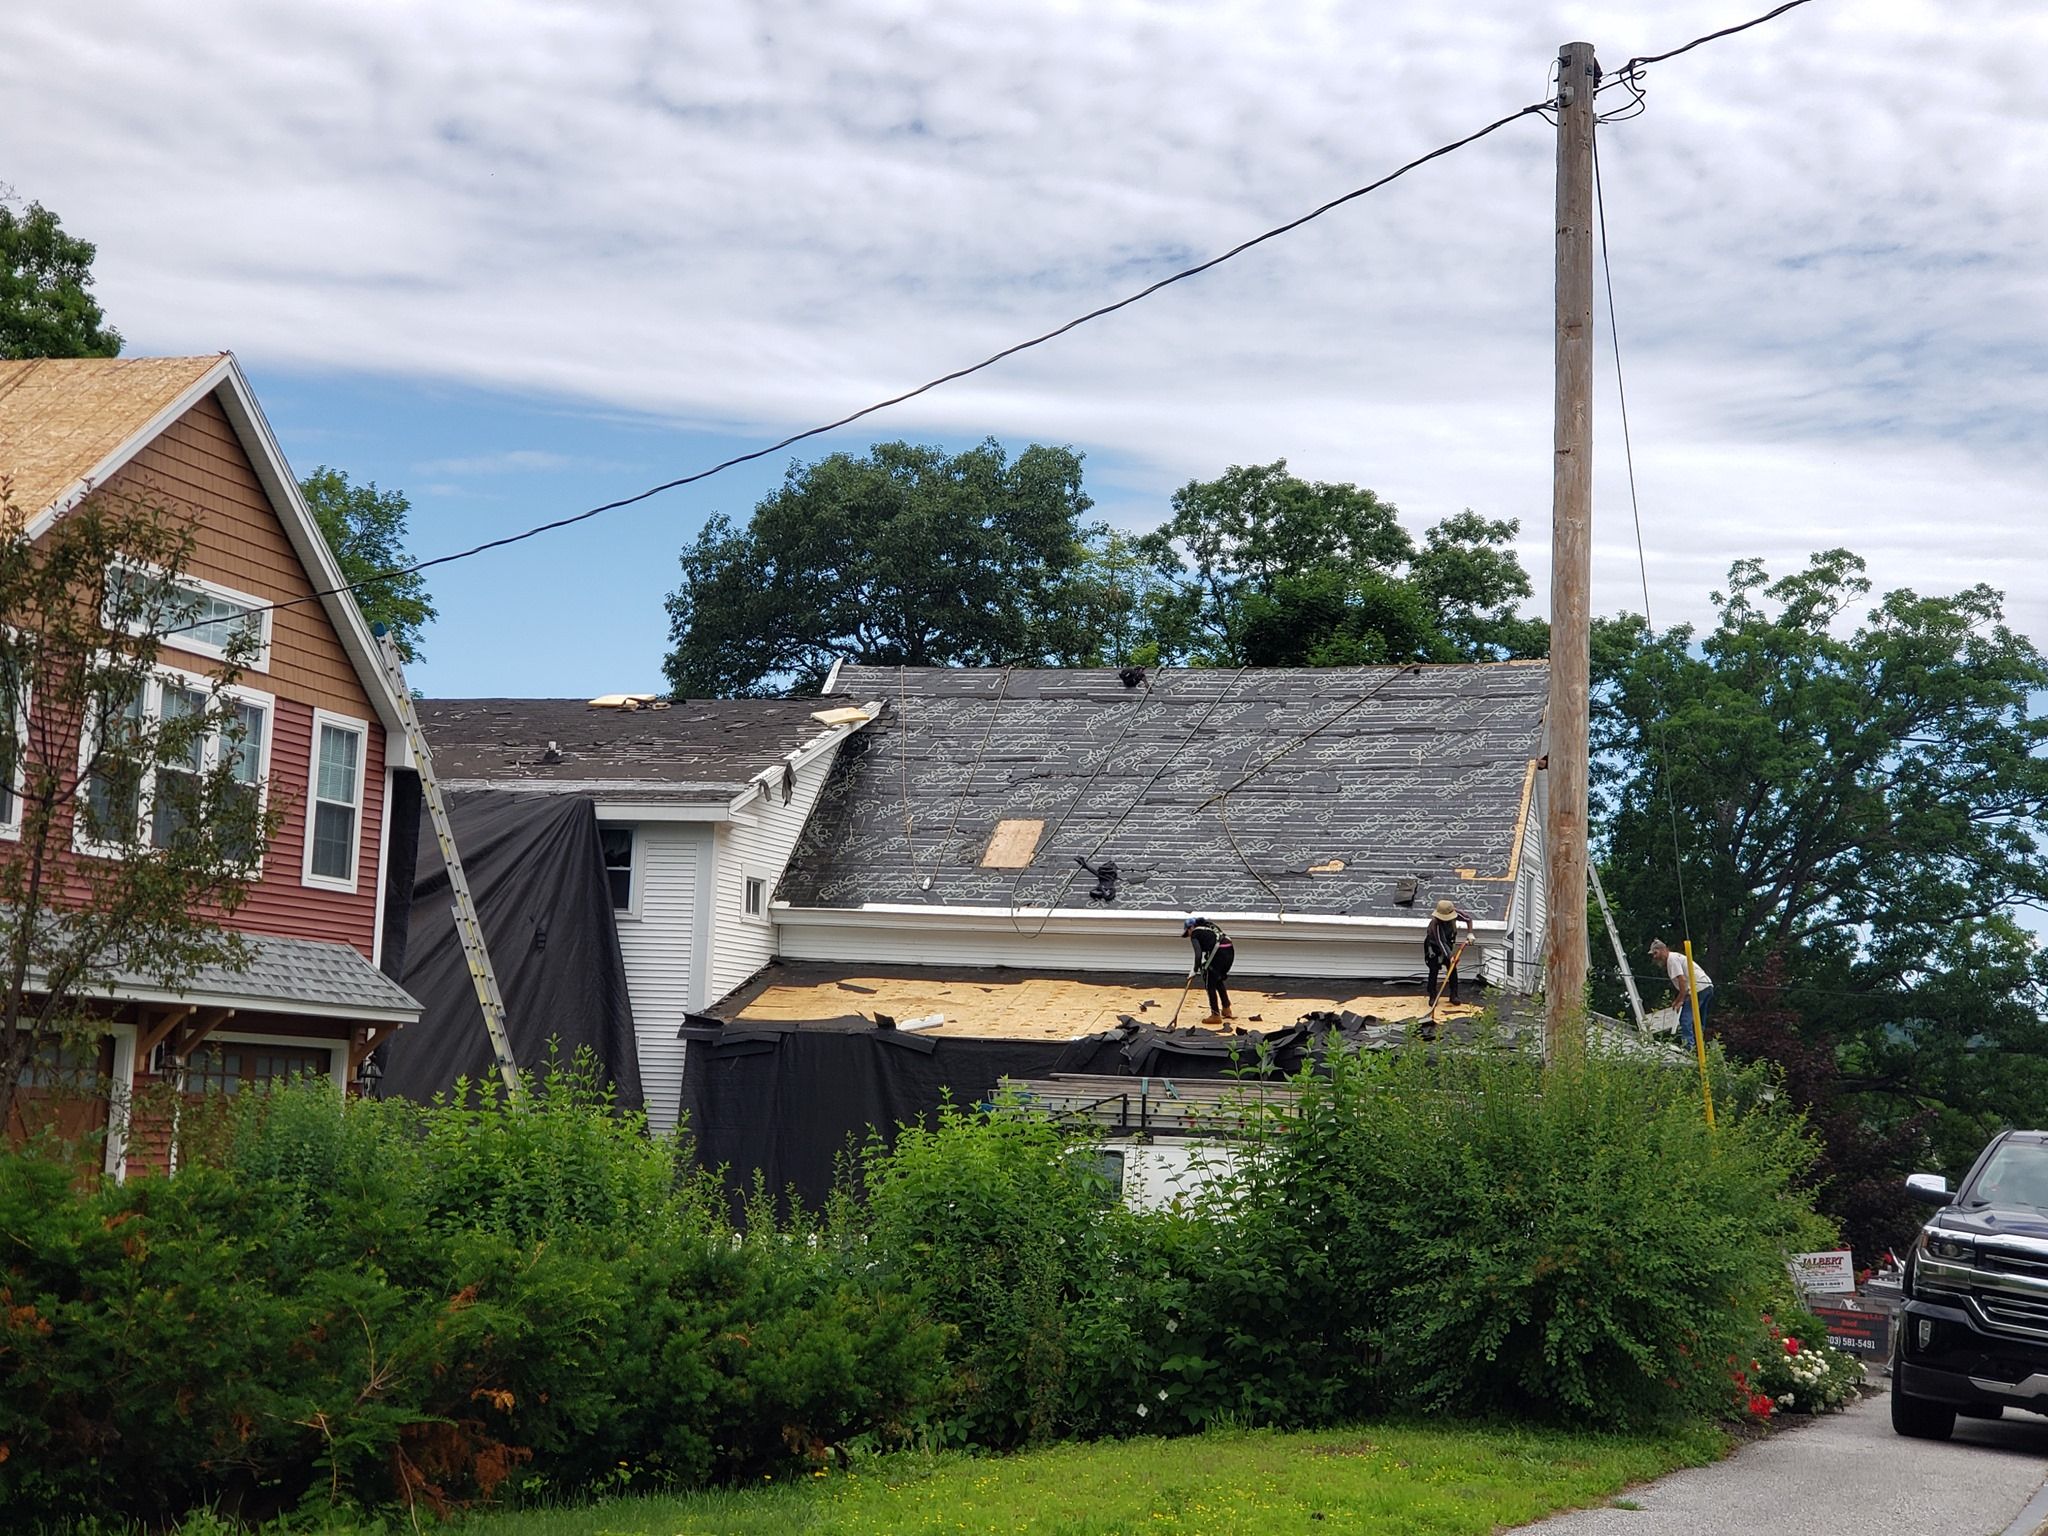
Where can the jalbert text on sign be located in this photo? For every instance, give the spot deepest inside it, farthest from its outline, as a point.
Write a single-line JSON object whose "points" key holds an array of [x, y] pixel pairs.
{"points": [[1824, 1272]]}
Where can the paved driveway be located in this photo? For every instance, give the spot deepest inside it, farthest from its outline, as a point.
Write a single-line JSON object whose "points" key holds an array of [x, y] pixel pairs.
{"points": [[1848, 1475]]}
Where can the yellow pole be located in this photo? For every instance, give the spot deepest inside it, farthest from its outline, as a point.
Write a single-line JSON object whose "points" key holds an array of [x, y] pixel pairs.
{"points": [[1699, 1031]]}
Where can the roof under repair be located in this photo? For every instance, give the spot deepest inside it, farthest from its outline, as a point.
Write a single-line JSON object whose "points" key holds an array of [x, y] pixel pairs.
{"points": [[1369, 791], [689, 751]]}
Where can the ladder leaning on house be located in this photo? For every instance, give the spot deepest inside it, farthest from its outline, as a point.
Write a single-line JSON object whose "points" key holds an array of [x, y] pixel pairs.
{"points": [[467, 929]]}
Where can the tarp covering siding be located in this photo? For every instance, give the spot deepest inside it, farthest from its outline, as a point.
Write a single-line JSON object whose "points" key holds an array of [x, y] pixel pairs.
{"points": [[536, 869]]}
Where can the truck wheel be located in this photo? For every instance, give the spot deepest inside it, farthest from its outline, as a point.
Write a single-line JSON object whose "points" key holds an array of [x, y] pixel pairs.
{"points": [[1921, 1418]]}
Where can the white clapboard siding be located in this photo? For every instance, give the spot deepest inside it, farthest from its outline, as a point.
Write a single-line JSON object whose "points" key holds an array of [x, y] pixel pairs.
{"points": [[757, 843], [935, 941], [660, 943], [1520, 966]]}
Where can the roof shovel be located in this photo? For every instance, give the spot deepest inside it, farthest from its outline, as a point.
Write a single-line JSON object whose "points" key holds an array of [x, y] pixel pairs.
{"points": [[1181, 1001], [1444, 993]]}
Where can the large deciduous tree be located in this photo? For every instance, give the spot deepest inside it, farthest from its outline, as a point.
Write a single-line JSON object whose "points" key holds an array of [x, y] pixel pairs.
{"points": [[135, 817], [1859, 800], [1280, 571], [365, 527], [903, 555], [46, 303]]}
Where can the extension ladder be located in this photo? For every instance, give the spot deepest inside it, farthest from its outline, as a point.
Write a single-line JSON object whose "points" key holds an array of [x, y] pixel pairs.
{"points": [[468, 930]]}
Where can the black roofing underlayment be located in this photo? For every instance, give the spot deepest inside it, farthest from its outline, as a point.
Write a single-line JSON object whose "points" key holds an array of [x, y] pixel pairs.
{"points": [[1411, 773]]}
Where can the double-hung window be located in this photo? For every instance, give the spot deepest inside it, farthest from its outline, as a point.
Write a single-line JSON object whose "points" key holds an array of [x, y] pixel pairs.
{"points": [[334, 805], [13, 746], [188, 613], [617, 843], [126, 797]]}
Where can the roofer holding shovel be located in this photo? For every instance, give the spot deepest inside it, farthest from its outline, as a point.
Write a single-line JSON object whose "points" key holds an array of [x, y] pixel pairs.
{"points": [[1213, 955], [1440, 946]]}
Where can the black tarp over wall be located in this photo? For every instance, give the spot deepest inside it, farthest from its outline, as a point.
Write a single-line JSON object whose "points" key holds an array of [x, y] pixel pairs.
{"points": [[789, 1101], [536, 870]]}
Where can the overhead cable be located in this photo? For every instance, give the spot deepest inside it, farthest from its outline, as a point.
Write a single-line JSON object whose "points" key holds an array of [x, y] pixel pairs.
{"points": [[911, 394]]}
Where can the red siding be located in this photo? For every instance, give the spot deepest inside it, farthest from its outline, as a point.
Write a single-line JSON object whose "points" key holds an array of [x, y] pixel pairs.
{"points": [[198, 464], [280, 903]]}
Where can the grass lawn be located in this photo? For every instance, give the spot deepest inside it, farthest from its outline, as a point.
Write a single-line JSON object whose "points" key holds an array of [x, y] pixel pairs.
{"points": [[1396, 1480]]}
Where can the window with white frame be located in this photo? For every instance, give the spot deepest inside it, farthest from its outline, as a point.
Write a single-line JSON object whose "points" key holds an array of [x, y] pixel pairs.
{"points": [[190, 613], [754, 898], [13, 745], [334, 807], [618, 865], [124, 796]]}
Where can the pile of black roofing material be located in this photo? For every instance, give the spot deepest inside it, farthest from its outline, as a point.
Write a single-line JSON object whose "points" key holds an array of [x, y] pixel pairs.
{"points": [[791, 1101]]}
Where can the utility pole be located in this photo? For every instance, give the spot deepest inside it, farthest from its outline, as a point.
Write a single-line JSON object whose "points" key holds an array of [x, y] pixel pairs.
{"points": [[1571, 559]]}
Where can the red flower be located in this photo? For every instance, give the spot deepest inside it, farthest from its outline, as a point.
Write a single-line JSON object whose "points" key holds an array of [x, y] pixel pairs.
{"points": [[1760, 1405], [1791, 1345]]}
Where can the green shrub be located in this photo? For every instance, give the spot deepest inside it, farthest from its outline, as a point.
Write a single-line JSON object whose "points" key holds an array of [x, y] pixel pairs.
{"points": [[1475, 1234], [995, 1225], [387, 1304]]}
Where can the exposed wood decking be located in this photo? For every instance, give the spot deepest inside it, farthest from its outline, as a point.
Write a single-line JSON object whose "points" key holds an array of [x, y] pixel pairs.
{"points": [[1023, 1005]]}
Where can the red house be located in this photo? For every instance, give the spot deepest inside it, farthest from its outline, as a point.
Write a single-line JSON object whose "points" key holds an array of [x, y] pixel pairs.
{"points": [[186, 432]]}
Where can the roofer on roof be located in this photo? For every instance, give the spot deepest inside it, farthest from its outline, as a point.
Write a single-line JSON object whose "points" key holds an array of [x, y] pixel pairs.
{"points": [[1440, 944], [1674, 967], [1213, 954]]}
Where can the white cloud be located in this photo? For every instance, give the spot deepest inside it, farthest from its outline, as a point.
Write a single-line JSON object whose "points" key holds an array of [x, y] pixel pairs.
{"points": [[511, 461], [1828, 236]]}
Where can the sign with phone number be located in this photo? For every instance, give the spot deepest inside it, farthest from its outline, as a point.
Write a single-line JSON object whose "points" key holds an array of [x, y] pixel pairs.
{"points": [[1858, 1333]]}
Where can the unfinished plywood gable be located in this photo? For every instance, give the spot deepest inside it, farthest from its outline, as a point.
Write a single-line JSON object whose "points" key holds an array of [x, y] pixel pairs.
{"points": [[1012, 845]]}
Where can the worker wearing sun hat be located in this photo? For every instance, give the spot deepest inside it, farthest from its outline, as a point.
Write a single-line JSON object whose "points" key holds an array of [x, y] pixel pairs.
{"points": [[1440, 943]]}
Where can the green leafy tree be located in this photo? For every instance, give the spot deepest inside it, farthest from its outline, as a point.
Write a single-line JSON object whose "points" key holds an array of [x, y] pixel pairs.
{"points": [[903, 555], [365, 527], [1859, 802], [1280, 571], [98, 748], [46, 304]]}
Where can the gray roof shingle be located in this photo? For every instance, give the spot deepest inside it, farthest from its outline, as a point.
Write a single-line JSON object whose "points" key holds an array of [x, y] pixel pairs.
{"points": [[292, 976], [695, 751], [1411, 772]]}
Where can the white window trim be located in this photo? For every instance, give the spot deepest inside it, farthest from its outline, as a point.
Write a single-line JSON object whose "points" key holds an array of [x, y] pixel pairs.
{"points": [[747, 876], [10, 826], [635, 875], [187, 641], [323, 718], [152, 709]]}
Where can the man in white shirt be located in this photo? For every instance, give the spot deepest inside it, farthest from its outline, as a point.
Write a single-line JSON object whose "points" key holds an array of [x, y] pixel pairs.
{"points": [[1674, 967]]}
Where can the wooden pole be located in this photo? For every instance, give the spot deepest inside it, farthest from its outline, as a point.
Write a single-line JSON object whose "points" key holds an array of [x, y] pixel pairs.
{"points": [[1571, 558]]}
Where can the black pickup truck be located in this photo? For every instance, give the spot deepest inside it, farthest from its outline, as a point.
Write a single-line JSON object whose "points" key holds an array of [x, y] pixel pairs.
{"points": [[1972, 1337]]}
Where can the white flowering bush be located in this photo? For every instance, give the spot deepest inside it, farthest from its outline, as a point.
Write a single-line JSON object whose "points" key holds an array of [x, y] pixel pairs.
{"points": [[1805, 1375]]}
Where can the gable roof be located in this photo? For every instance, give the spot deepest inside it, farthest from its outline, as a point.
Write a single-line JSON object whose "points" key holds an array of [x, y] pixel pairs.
{"points": [[693, 752], [1418, 772], [67, 424]]}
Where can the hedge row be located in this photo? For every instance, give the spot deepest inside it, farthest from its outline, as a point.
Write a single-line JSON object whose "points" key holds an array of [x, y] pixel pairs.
{"points": [[381, 1304]]}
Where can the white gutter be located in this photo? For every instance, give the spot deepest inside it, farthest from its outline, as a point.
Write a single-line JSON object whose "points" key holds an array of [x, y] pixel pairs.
{"points": [[1140, 922]]}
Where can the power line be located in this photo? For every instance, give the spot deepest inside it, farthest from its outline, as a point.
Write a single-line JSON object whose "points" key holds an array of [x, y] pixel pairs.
{"points": [[911, 394], [1628, 71], [1635, 63], [1656, 737]]}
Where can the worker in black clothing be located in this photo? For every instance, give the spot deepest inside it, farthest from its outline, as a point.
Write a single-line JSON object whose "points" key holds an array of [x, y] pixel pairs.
{"points": [[1440, 943], [1213, 954]]}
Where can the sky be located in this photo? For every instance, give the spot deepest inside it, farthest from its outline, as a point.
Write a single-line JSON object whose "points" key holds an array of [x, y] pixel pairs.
{"points": [[516, 257]]}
